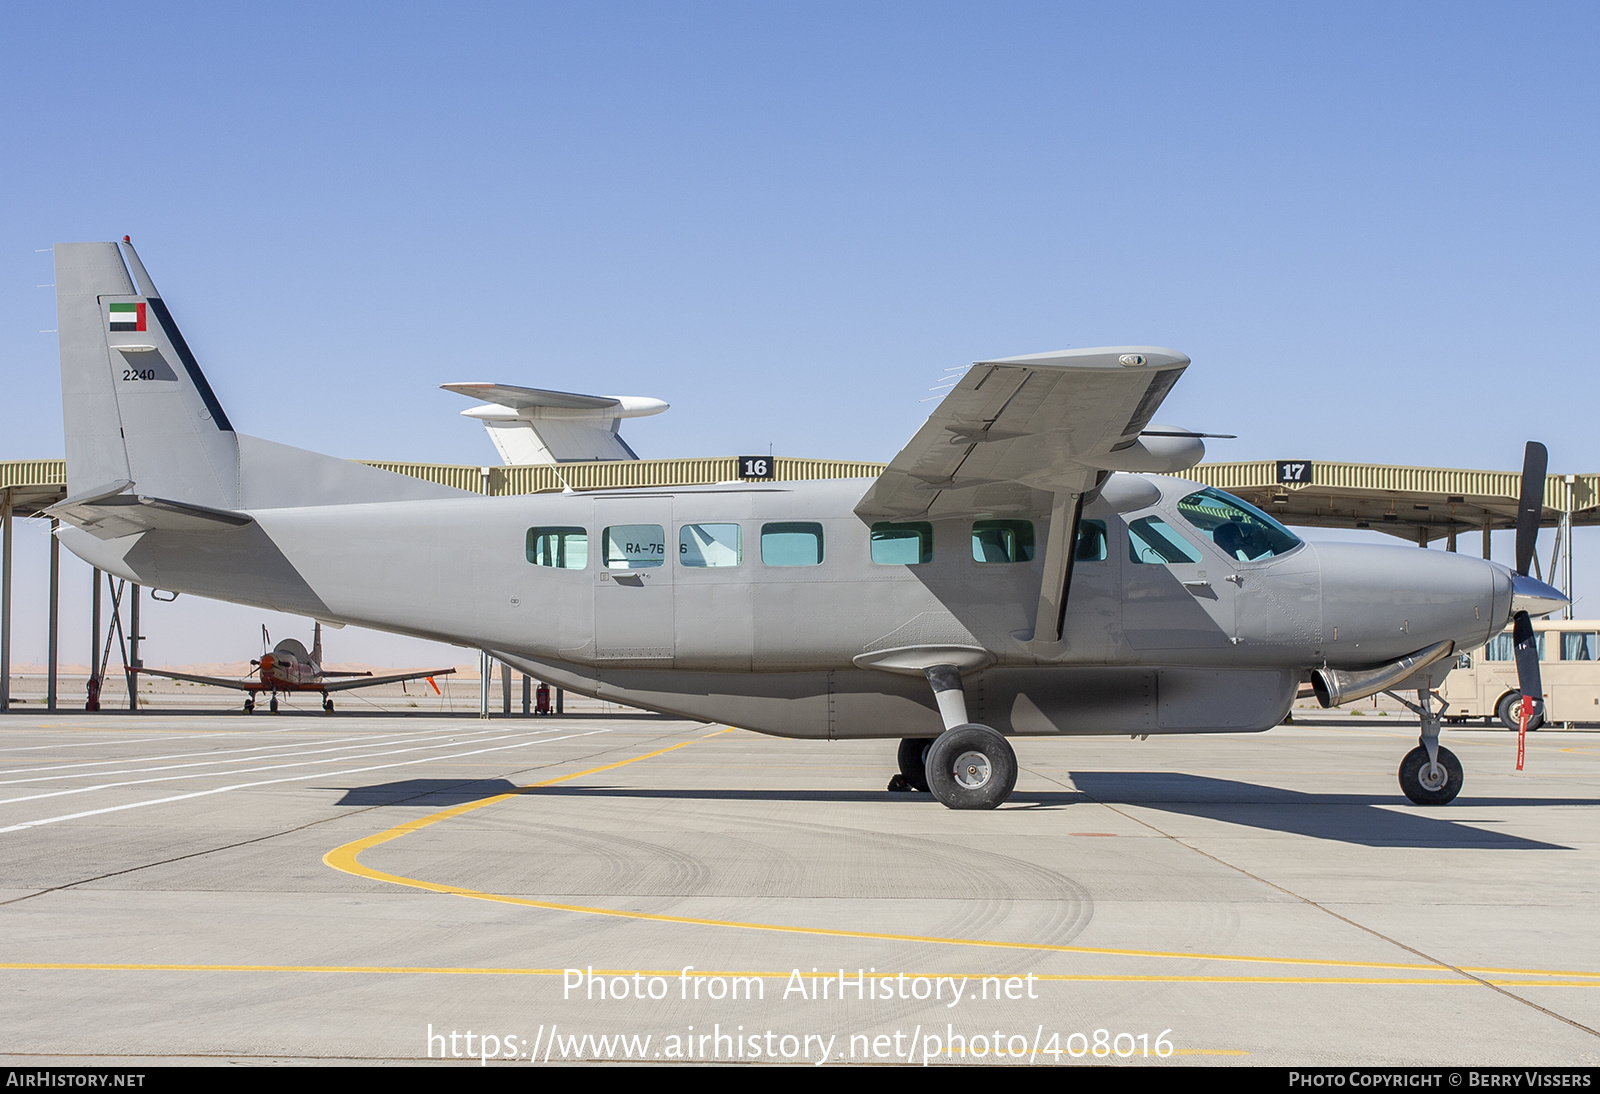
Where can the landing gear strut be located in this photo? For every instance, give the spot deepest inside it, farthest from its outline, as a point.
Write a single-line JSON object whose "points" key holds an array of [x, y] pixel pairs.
{"points": [[968, 766], [1429, 774]]}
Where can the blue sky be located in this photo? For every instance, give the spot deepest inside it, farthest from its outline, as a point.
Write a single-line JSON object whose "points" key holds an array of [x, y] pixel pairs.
{"points": [[1372, 226]]}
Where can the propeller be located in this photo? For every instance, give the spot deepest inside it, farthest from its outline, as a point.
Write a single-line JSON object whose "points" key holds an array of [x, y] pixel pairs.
{"points": [[1530, 506]]}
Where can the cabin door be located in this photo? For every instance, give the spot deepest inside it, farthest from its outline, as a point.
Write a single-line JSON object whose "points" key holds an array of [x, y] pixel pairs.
{"points": [[633, 619]]}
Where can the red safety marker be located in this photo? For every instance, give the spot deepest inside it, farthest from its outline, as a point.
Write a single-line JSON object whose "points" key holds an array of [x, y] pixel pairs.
{"points": [[1522, 728], [436, 691]]}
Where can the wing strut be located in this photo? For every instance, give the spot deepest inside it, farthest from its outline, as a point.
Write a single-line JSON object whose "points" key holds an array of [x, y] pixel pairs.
{"points": [[1060, 549]]}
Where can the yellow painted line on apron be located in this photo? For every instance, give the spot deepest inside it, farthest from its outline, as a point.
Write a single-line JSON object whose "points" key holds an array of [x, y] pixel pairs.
{"points": [[346, 858]]}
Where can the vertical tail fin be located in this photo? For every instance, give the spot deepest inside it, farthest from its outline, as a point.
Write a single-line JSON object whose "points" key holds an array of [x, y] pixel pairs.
{"points": [[137, 407]]}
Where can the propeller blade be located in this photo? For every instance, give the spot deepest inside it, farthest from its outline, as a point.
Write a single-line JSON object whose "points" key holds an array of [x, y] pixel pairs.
{"points": [[1530, 503]]}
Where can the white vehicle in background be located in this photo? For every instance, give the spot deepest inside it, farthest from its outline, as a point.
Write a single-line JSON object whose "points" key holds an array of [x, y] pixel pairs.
{"points": [[1484, 681]]}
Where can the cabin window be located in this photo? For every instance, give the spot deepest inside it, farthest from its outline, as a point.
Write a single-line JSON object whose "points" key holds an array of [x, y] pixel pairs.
{"points": [[710, 545], [1151, 539], [902, 544], [1091, 541], [791, 543], [563, 548], [633, 546], [1002, 541]]}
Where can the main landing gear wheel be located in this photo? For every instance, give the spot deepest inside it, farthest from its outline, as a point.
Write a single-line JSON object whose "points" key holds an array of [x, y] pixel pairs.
{"points": [[249, 706], [913, 765], [273, 706], [1429, 784], [327, 705], [971, 767], [1509, 711]]}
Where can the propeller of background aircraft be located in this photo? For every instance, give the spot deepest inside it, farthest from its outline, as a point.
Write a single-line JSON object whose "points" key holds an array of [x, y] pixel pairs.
{"points": [[1530, 506]]}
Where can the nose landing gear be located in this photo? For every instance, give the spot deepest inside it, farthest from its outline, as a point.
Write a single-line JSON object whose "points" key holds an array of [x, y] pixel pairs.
{"points": [[1429, 774], [1429, 782]]}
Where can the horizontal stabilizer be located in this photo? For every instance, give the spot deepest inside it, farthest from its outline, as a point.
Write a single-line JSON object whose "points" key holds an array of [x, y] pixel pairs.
{"points": [[107, 512]]}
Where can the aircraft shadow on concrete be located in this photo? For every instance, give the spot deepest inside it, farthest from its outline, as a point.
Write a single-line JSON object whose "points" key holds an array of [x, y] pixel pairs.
{"points": [[441, 793], [1347, 818]]}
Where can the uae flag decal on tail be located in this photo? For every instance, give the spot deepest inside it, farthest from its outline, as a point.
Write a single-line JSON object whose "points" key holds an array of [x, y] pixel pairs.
{"points": [[126, 316]]}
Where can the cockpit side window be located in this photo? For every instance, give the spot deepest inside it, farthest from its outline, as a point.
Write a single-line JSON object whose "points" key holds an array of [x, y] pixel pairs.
{"points": [[1153, 540], [1240, 530]]}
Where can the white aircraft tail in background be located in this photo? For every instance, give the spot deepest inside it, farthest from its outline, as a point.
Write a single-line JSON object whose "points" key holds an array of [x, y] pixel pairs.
{"points": [[531, 425]]}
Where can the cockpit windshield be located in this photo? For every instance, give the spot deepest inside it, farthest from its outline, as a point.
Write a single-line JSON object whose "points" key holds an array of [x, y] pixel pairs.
{"points": [[1242, 531]]}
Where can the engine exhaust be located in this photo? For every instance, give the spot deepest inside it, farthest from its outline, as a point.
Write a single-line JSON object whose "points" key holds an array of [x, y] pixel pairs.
{"points": [[1336, 686]]}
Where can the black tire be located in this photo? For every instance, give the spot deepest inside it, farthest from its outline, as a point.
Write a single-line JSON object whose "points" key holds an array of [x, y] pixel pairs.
{"points": [[1425, 792], [913, 755], [273, 706], [327, 706], [1510, 717], [971, 767], [249, 706]]}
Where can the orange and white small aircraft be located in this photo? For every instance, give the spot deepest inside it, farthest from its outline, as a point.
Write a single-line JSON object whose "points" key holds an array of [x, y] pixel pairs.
{"points": [[289, 667]]}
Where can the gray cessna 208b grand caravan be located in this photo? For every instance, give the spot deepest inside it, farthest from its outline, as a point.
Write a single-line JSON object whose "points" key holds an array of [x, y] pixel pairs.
{"points": [[1025, 566]]}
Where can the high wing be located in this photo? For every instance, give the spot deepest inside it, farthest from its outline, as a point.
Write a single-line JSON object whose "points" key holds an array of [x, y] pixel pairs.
{"points": [[1054, 422], [1023, 434], [369, 681]]}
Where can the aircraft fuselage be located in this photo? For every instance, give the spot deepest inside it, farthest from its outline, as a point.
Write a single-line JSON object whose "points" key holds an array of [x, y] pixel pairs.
{"points": [[762, 605]]}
